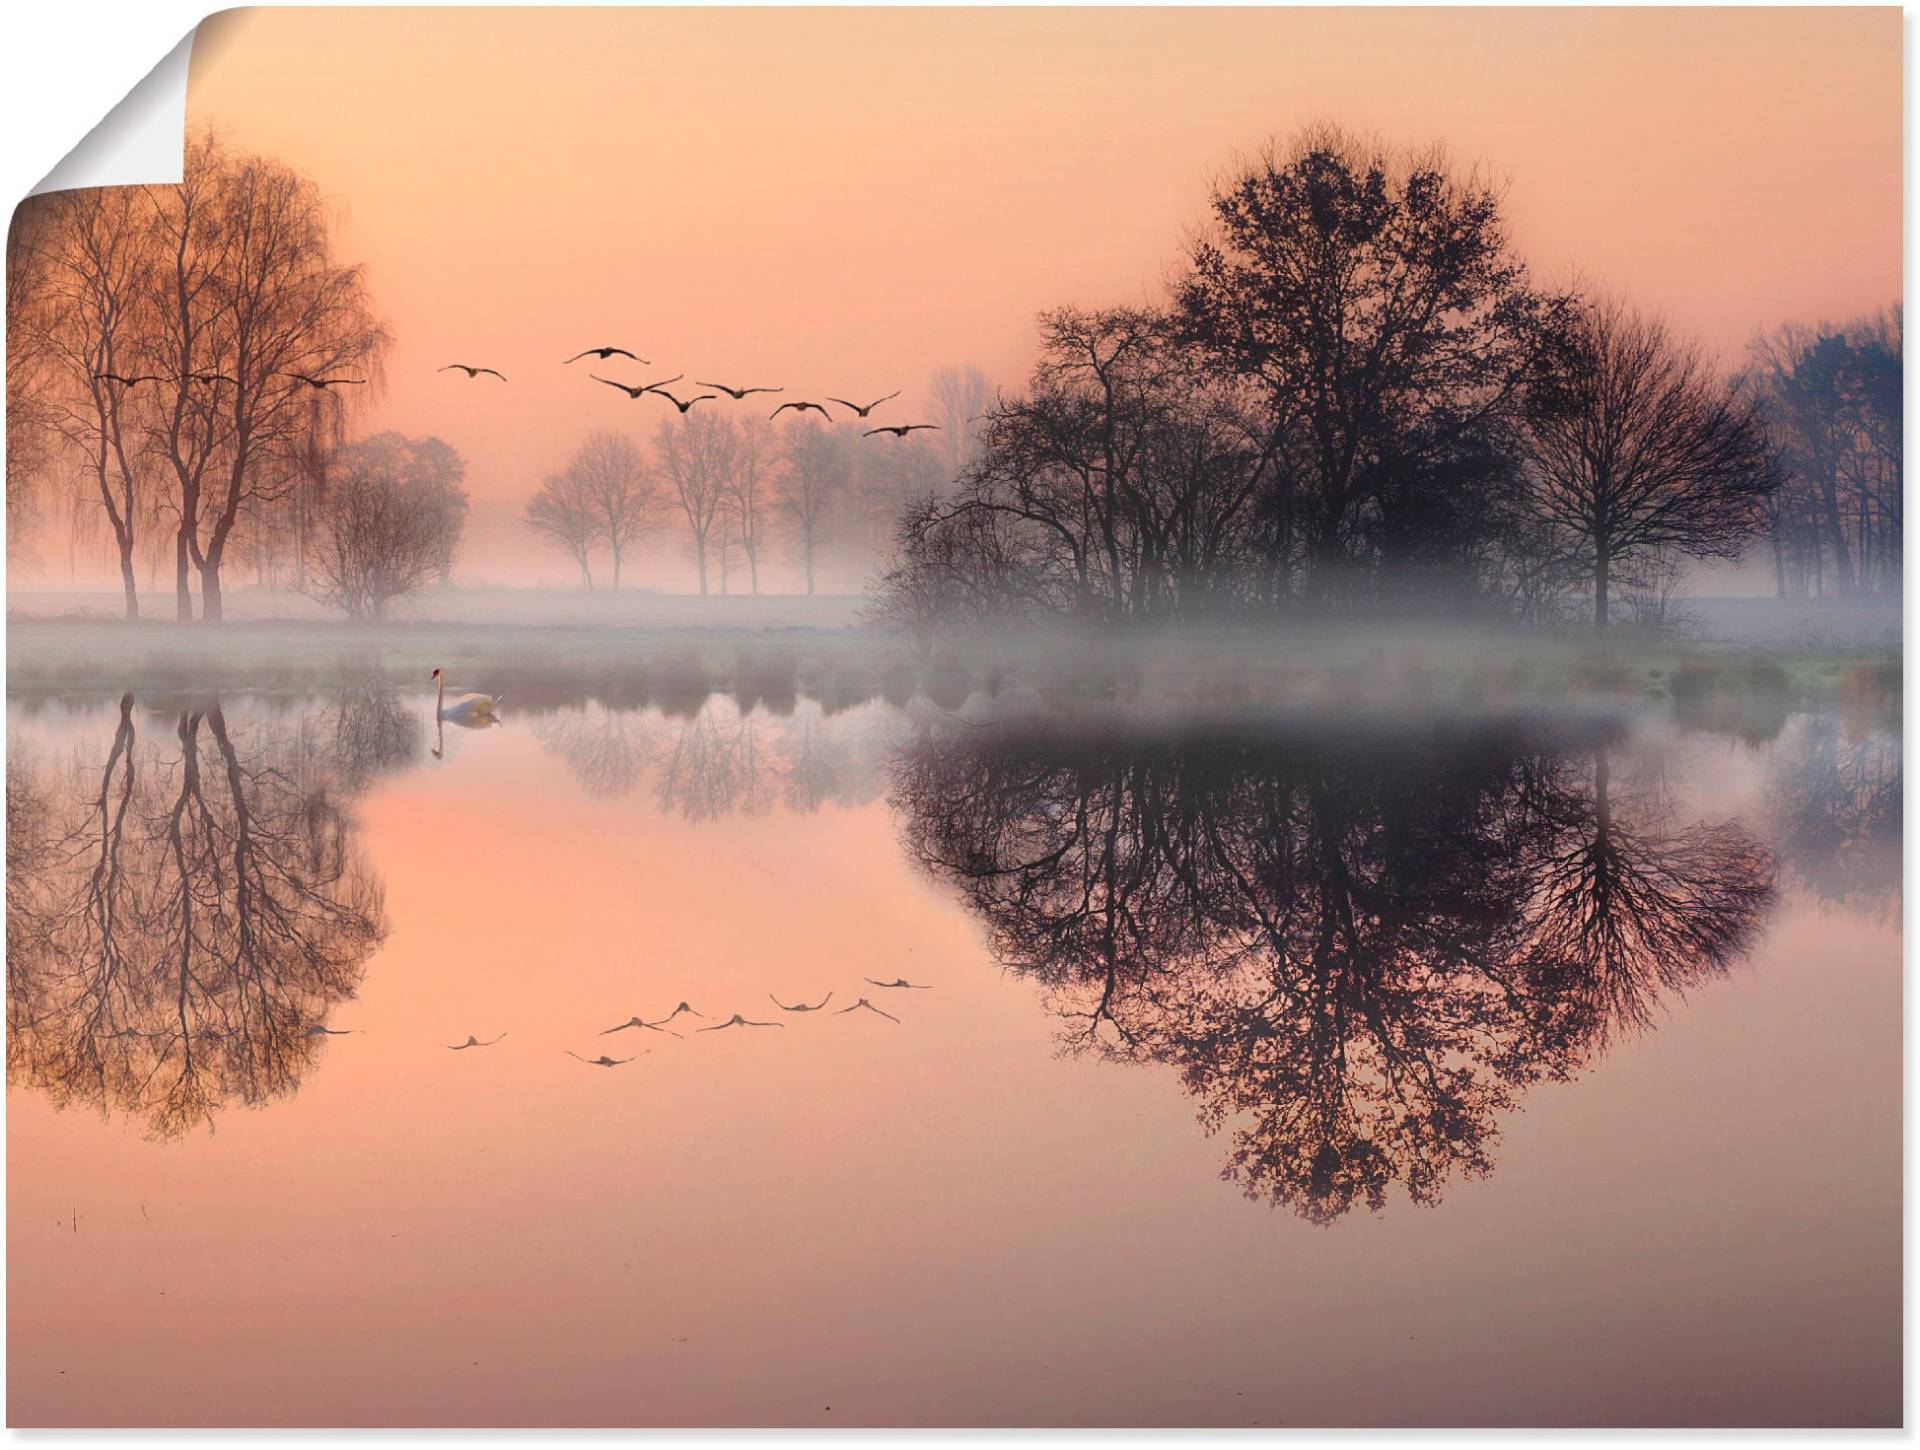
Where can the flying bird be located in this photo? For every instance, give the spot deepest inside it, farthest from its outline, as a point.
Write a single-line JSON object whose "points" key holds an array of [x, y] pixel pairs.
{"points": [[869, 408], [322, 384], [900, 430], [603, 353], [801, 408], [663, 393], [901, 982], [471, 371], [677, 1011], [800, 1006], [601, 1061], [632, 392], [127, 382], [320, 1029], [636, 1022], [738, 1021], [735, 393], [863, 1002], [472, 1041], [212, 378]]}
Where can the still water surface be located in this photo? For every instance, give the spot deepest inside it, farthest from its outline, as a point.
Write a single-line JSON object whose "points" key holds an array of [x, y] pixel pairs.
{"points": [[1482, 1072]]}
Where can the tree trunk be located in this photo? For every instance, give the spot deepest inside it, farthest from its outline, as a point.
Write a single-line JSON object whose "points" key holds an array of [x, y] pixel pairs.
{"points": [[127, 581], [700, 558], [210, 606], [1842, 560], [616, 568], [182, 588], [1601, 571]]}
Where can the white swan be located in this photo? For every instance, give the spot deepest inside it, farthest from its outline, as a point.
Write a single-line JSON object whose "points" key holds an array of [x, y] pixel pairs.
{"points": [[468, 708]]}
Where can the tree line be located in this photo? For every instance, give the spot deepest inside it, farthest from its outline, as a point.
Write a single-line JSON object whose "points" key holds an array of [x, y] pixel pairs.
{"points": [[1354, 397], [737, 493]]}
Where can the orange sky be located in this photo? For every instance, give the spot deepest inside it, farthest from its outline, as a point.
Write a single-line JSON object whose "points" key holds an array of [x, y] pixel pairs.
{"points": [[844, 200]]}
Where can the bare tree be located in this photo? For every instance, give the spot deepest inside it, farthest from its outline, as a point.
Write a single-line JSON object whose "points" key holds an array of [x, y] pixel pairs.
{"points": [[564, 513], [95, 259], [1636, 447], [698, 452], [747, 488], [31, 433], [283, 318], [961, 395], [815, 473], [613, 478], [391, 521]]}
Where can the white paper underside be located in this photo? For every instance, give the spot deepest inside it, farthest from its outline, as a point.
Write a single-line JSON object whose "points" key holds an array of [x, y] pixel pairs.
{"points": [[141, 141]]}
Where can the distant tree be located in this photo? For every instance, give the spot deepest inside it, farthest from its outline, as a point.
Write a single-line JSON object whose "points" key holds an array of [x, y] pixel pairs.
{"points": [[810, 483], [612, 476], [748, 486], [564, 513], [698, 452], [1833, 401], [961, 397], [1635, 448], [389, 525]]}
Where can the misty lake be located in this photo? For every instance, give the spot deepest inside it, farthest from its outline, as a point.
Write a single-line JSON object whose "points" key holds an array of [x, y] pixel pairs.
{"points": [[1319, 1071]]}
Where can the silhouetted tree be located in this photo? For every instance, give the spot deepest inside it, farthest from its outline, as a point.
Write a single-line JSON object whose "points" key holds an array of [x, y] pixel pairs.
{"points": [[1372, 305], [92, 253], [251, 301], [815, 472], [565, 513], [698, 452], [961, 396], [1833, 401], [1635, 447], [390, 523], [749, 484], [613, 478]]}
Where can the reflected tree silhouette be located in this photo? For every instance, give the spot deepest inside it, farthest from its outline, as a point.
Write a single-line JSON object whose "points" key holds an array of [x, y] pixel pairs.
{"points": [[365, 733], [1836, 798], [716, 764], [1355, 955], [196, 906], [606, 749]]}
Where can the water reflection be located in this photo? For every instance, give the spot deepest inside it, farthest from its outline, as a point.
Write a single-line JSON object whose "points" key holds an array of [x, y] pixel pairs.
{"points": [[1836, 797], [180, 916], [1355, 953], [723, 757], [1356, 949]]}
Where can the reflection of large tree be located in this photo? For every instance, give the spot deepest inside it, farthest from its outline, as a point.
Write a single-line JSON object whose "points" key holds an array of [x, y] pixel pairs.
{"points": [[1354, 956], [197, 909]]}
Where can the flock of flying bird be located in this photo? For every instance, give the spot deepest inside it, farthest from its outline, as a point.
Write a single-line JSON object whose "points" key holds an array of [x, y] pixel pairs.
{"points": [[659, 389], [738, 1019]]}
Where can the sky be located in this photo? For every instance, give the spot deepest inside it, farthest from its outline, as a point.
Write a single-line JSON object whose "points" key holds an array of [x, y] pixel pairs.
{"points": [[841, 201]]}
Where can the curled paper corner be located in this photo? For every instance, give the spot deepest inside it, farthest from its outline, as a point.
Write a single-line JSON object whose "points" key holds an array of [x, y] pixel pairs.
{"points": [[141, 141]]}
